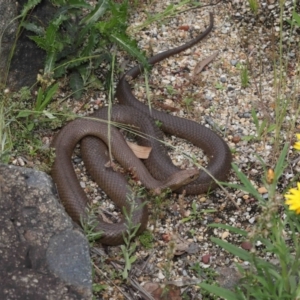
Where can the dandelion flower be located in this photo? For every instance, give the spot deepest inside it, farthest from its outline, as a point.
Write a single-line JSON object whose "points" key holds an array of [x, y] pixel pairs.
{"points": [[297, 144], [293, 197]]}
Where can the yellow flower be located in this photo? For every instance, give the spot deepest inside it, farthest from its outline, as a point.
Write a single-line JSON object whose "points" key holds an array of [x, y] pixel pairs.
{"points": [[297, 144], [293, 198]]}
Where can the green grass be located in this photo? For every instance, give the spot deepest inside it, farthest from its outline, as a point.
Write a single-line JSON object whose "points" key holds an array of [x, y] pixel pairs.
{"points": [[253, 4], [244, 75]]}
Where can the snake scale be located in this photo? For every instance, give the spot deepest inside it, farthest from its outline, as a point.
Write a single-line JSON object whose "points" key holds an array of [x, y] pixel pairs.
{"points": [[159, 171]]}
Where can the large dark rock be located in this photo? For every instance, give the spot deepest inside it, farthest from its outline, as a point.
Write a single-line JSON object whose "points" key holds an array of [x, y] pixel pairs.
{"points": [[8, 11], [28, 58], [41, 255]]}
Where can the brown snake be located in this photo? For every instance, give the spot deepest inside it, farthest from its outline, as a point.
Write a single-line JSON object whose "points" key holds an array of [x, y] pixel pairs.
{"points": [[94, 154]]}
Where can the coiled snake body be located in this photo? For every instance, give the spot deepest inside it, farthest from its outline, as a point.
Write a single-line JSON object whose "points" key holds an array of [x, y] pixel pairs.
{"points": [[95, 156]]}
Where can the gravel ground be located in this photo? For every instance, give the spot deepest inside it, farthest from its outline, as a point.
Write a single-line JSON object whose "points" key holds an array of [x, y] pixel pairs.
{"points": [[215, 98]]}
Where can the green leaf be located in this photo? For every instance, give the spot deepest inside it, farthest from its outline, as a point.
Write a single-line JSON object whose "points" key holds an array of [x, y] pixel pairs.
{"points": [[24, 113], [135, 230], [296, 18], [255, 119], [132, 259], [247, 185], [125, 274], [281, 162], [76, 84], [262, 280], [79, 4], [50, 37], [30, 126], [194, 207], [58, 21], [39, 98], [187, 219], [86, 31], [39, 30], [28, 6], [48, 115], [262, 264], [129, 46], [271, 128], [274, 274], [297, 292], [244, 255], [221, 292], [47, 97], [50, 62], [99, 11], [230, 228], [91, 43], [119, 12], [40, 41], [97, 287]]}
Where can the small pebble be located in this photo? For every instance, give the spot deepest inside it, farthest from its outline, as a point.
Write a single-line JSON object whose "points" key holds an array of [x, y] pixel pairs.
{"points": [[262, 190], [234, 62], [246, 245], [236, 139], [206, 259], [82, 184], [223, 78], [225, 234], [252, 220], [160, 275], [258, 243]]}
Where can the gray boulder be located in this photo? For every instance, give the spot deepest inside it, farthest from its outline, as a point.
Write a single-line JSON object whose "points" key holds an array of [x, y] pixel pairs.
{"points": [[41, 255], [28, 58]]}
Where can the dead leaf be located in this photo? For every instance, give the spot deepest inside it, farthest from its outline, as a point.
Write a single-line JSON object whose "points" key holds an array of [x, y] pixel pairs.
{"points": [[270, 176], [163, 292], [262, 190], [105, 219], [139, 151], [185, 281], [165, 106], [200, 66], [225, 234], [114, 166], [184, 27], [181, 245], [166, 237]]}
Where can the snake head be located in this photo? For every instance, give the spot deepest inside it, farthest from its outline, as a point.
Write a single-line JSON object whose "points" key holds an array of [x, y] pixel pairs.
{"points": [[181, 178]]}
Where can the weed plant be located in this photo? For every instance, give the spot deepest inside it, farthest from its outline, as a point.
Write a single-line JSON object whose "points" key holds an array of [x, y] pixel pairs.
{"points": [[76, 44], [277, 227]]}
